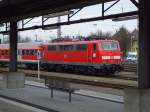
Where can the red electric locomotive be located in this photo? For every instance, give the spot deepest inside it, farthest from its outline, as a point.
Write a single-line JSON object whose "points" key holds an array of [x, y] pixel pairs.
{"points": [[97, 55]]}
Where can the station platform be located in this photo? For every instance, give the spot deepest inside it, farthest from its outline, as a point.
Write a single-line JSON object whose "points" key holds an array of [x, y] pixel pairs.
{"points": [[40, 97], [12, 106]]}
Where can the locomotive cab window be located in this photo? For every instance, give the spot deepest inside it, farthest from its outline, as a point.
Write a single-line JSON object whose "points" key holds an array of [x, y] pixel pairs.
{"points": [[114, 46], [110, 46]]}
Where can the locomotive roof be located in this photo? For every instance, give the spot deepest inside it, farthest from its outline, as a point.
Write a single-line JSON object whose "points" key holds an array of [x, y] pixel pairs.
{"points": [[36, 45], [78, 42], [23, 45]]}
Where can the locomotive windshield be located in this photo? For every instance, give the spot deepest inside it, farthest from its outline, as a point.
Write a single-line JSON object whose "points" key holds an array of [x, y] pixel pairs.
{"points": [[110, 46]]}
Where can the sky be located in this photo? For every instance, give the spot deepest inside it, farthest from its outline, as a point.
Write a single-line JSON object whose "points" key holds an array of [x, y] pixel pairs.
{"points": [[85, 29]]}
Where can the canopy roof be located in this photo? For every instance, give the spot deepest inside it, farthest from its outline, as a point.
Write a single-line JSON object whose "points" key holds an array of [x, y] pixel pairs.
{"points": [[21, 9]]}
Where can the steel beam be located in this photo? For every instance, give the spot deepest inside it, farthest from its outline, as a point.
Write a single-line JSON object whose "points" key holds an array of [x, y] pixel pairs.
{"points": [[33, 8], [144, 45], [13, 47], [80, 21], [135, 3]]}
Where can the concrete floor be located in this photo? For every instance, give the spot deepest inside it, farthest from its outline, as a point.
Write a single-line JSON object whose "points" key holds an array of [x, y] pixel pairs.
{"points": [[41, 96]]}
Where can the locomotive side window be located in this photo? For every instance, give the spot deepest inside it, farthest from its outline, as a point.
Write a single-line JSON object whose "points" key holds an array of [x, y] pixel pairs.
{"points": [[66, 47], [94, 46], [61, 47], [52, 47], [81, 47]]}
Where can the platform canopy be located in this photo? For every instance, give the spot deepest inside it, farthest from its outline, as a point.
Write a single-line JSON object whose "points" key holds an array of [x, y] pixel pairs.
{"points": [[21, 9]]}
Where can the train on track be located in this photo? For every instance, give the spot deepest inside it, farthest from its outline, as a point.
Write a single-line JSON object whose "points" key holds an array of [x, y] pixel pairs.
{"points": [[100, 56]]}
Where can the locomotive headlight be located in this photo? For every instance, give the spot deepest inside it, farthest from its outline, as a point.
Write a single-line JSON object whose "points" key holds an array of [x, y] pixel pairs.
{"points": [[105, 57], [117, 57]]}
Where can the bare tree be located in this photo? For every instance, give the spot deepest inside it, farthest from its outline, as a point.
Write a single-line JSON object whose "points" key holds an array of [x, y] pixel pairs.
{"points": [[124, 38]]}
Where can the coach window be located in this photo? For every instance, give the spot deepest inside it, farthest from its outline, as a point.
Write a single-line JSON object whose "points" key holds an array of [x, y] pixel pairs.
{"points": [[27, 52], [2, 52], [23, 52], [32, 52], [35, 52], [81, 47], [18, 52], [6, 52]]}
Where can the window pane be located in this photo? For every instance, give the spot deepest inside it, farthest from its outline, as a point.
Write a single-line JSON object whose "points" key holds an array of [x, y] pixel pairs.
{"points": [[68, 47], [81, 47], [23, 52], [114, 46], [110, 46], [61, 47], [94, 46], [6, 52], [52, 48], [106, 46]]}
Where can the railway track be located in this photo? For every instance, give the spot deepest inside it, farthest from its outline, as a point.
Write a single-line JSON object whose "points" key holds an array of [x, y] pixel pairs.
{"points": [[119, 81], [130, 67]]}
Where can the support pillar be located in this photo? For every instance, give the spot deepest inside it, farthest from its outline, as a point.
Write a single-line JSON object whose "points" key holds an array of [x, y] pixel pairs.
{"points": [[138, 100], [13, 46], [13, 79]]}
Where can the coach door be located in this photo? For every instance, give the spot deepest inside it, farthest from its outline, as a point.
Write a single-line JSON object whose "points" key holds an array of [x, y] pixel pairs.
{"points": [[19, 52]]}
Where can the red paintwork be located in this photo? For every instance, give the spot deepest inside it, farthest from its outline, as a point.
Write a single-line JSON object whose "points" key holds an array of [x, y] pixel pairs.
{"points": [[67, 56], [81, 56], [29, 47]]}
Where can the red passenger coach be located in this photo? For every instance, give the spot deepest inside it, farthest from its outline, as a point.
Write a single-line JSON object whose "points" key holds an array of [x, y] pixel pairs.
{"points": [[4, 54], [99, 55], [26, 53]]}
